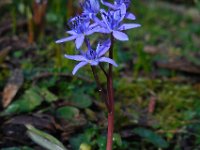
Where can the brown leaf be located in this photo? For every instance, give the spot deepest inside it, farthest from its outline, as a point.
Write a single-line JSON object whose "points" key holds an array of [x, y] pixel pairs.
{"points": [[12, 87], [42, 122], [3, 53]]}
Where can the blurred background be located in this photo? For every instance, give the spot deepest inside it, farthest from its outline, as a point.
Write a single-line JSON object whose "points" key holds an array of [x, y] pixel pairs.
{"points": [[157, 83]]}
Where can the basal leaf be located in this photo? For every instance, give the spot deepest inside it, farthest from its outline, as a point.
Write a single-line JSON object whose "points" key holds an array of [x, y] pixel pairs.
{"points": [[43, 139]]}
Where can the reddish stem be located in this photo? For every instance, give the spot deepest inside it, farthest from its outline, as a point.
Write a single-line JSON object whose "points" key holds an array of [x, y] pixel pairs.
{"points": [[111, 101]]}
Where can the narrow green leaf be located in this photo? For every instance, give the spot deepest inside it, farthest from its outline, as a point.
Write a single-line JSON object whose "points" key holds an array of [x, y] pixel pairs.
{"points": [[43, 139]]}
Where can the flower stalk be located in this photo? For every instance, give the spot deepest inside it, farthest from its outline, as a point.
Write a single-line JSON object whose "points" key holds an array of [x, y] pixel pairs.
{"points": [[109, 21], [111, 100]]}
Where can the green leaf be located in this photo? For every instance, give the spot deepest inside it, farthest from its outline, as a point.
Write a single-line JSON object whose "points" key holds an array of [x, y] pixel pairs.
{"points": [[48, 96], [27, 103], [43, 139], [151, 137], [67, 112], [117, 139], [81, 100]]}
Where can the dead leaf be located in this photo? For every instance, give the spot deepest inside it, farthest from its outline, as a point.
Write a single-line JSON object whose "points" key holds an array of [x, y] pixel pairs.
{"points": [[12, 87], [4, 52], [42, 122]]}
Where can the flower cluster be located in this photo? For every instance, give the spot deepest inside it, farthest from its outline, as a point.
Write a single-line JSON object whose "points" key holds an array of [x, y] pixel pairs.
{"points": [[94, 19]]}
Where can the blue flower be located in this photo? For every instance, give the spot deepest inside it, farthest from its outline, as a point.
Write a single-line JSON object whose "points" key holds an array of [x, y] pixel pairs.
{"points": [[112, 23], [117, 4], [91, 7], [81, 27], [92, 57]]}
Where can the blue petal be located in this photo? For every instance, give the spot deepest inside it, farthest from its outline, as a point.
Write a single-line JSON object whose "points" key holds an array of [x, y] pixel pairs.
{"points": [[123, 11], [103, 48], [120, 36], [120, 13], [103, 15], [78, 66], [109, 4], [67, 39], [93, 62], [127, 26], [71, 32], [93, 28], [98, 21], [108, 60], [76, 57], [130, 16], [104, 30], [79, 41]]}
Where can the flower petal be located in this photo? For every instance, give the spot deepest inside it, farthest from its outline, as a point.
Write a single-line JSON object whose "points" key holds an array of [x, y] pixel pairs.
{"points": [[98, 21], [109, 4], [123, 11], [130, 16], [79, 41], [102, 48], [76, 57], [93, 62], [120, 36], [103, 15], [92, 29], [78, 66], [71, 32], [127, 26], [103, 30], [67, 39], [108, 60]]}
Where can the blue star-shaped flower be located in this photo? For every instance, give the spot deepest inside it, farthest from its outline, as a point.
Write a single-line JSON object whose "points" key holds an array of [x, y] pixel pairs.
{"points": [[90, 7], [92, 57], [112, 23], [117, 4], [81, 27]]}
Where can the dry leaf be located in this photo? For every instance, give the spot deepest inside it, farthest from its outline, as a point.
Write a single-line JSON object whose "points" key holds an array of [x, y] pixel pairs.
{"points": [[12, 87]]}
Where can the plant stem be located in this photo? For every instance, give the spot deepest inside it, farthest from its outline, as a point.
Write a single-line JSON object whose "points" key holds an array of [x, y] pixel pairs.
{"points": [[111, 101]]}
